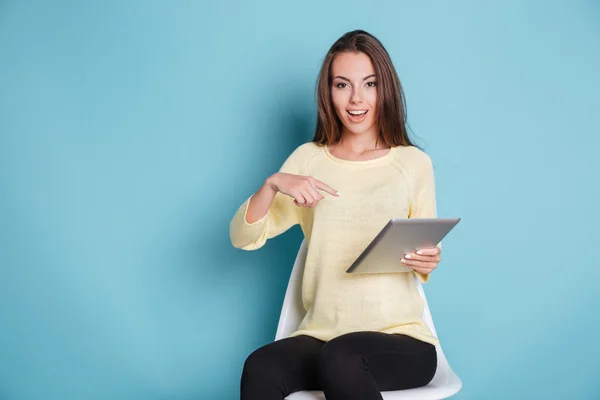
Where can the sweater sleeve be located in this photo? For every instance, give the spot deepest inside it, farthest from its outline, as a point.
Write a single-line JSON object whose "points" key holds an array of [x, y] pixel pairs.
{"points": [[423, 201], [282, 215]]}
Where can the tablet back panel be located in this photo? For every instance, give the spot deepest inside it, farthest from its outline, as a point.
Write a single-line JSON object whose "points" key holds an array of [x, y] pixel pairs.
{"points": [[397, 238]]}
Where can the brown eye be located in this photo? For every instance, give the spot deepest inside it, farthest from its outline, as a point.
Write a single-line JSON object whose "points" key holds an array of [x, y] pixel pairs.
{"points": [[339, 85], [371, 84]]}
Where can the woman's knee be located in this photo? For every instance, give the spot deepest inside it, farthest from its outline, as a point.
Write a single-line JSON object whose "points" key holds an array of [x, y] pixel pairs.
{"points": [[280, 368], [260, 364], [258, 379]]}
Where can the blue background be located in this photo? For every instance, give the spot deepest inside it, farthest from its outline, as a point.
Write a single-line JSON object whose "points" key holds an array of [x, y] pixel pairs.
{"points": [[131, 131]]}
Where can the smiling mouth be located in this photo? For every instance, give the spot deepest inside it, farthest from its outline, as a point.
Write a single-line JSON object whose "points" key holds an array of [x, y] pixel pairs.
{"points": [[357, 113]]}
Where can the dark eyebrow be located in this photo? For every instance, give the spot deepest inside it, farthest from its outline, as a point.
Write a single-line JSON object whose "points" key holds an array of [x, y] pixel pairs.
{"points": [[346, 79]]}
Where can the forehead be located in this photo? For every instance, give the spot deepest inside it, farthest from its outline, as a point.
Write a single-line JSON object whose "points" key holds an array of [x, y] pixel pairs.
{"points": [[352, 65]]}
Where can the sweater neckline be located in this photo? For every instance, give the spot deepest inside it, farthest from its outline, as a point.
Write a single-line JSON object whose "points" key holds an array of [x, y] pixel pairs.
{"points": [[377, 160]]}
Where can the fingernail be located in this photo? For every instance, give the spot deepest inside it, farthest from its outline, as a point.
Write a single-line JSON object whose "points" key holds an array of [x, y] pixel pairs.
{"points": [[407, 256], [419, 252], [402, 260]]}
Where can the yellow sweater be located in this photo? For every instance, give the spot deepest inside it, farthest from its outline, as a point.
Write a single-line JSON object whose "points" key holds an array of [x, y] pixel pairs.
{"points": [[337, 230]]}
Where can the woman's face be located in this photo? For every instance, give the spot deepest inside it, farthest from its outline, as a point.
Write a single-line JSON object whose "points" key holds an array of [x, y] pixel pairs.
{"points": [[354, 92]]}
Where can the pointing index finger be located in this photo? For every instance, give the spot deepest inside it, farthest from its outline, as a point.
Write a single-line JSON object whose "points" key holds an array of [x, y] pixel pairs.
{"points": [[325, 187]]}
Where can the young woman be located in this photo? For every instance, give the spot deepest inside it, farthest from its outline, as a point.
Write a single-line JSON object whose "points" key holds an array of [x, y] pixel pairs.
{"points": [[362, 334]]}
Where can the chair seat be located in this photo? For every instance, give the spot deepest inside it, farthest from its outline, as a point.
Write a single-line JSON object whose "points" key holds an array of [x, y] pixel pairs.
{"points": [[444, 384]]}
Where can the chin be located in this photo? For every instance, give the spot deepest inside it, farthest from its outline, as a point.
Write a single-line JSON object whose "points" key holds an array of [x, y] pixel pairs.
{"points": [[358, 129]]}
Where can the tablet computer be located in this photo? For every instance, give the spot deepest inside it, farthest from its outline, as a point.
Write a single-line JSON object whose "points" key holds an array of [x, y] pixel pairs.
{"points": [[397, 238]]}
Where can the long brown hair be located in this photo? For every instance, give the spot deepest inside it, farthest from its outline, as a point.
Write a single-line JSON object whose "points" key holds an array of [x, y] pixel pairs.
{"points": [[391, 104]]}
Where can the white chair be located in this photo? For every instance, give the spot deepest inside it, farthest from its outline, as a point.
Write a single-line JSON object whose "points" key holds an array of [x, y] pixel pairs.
{"points": [[444, 384]]}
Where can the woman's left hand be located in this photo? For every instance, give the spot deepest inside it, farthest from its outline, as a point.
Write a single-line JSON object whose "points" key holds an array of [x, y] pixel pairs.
{"points": [[424, 260]]}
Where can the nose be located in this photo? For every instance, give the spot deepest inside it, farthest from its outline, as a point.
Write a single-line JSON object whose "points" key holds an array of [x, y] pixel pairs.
{"points": [[356, 96]]}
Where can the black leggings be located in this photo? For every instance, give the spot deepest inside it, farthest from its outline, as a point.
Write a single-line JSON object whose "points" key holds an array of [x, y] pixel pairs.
{"points": [[356, 365]]}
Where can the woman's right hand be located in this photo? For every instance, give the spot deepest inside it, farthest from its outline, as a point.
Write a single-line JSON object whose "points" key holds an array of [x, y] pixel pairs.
{"points": [[302, 188]]}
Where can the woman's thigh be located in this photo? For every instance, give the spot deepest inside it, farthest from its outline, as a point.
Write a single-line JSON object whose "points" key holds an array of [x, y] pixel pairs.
{"points": [[283, 366], [394, 361]]}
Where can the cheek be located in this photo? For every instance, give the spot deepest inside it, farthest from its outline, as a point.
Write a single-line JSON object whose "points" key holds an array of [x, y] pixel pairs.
{"points": [[373, 104], [339, 102], [373, 99]]}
